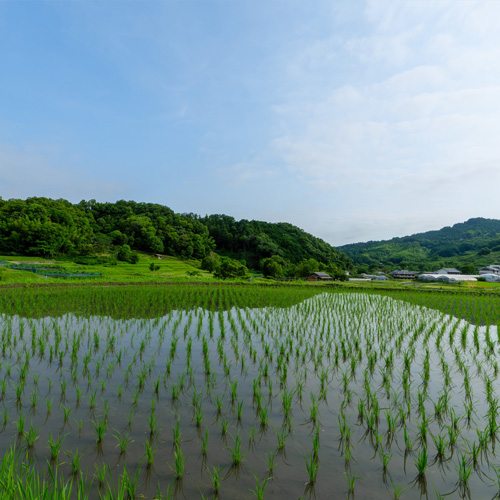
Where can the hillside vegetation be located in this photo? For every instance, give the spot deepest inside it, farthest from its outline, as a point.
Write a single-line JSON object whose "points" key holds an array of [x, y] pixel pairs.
{"points": [[53, 228], [466, 245]]}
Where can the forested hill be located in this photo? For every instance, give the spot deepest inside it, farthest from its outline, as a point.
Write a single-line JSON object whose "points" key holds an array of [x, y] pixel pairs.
{"points": [[475, 242], [255, 240], [46, 227]]}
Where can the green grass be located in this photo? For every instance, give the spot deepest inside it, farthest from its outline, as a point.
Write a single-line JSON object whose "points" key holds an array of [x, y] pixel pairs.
{"points": [[19, 480], [171, 269]]}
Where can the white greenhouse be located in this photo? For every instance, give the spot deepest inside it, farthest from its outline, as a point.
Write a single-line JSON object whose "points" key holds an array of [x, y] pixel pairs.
{"points": [[447, 278]]}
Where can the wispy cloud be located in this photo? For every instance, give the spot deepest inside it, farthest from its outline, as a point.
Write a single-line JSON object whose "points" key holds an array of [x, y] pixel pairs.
{"points": [[354, 120], [423, 119]]}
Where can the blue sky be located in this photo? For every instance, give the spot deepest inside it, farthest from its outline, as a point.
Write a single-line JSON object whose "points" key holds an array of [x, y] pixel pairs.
{"points": [[354, 120]]}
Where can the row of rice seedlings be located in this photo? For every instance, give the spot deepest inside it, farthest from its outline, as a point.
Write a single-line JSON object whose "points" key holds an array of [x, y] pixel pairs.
{"points": [[360, 349], [138, 301]]}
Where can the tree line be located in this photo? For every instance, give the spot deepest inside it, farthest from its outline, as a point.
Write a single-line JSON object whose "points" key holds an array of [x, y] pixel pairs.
{"points": [[52, 228]]}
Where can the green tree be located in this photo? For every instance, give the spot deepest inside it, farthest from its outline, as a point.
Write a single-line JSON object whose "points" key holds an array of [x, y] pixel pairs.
{"points": [[134, 258], [123, 254], [229, 268], [154, 267], [272, 267], [209, 263], [307, 267], [42, 226], [468, 269]]}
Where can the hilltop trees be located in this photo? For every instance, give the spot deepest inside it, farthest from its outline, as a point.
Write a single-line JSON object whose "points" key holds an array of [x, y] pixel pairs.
{"points": [[42, 226], [256, 240], [150, 227]]}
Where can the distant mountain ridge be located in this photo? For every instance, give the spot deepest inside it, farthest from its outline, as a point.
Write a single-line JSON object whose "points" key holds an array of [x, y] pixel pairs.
{"points": [[475, 242]]}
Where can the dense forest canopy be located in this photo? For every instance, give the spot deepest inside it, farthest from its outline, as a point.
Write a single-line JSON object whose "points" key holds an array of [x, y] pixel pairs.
{"points": [[41, 226], [148, 227], [50, 228], [475, 242], [256, 240]]}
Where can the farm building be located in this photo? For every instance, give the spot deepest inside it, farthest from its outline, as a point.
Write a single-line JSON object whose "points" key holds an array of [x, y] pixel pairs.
{"points": [[448, 270], [404, 274], [493, 269], [319, 276]]}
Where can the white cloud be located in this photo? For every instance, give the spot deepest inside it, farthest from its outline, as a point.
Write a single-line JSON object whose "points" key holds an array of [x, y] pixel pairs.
{"points": [[417, 108]]}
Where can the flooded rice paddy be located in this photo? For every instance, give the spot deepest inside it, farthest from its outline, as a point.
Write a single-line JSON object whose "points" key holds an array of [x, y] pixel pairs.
{"points": [[338, 395]]}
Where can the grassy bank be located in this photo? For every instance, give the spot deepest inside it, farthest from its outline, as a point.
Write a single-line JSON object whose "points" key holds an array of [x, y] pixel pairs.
{"points": [[170, 269]]}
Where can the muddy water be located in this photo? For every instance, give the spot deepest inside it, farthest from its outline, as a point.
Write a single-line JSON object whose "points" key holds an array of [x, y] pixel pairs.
{"points": [[330, 336]]}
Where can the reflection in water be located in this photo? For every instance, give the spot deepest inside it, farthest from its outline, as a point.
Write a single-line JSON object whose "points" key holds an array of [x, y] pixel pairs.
{"points": [[353, 386]]}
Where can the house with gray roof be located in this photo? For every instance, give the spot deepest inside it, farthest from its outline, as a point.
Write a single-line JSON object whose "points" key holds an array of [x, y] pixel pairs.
{"points": [[404, 274], [319, 276], [493, 269], [448, 270]]}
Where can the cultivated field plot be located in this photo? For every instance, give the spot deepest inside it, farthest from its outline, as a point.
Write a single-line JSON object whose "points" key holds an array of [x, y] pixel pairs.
{"points": [[335, 395]]}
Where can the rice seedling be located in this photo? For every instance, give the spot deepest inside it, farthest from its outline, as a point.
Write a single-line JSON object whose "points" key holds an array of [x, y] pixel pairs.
{"points": [[236, 453], [271, 462], [281, 436], [92, 399], [31, 436], [150, 455], [218, 401], [176, 433], [100, 429], [464, 471], [175, 391], [67, 412], [101, 472], [179, 463], [198, 417], [152, 423], [351, 481], [55, 446], [215, 478], [312, 467], [264, 416], [64, 384], [239, 410], [397, 490], [251, 435], [20, 423], [421, 462], [74, 460], [260, 487], [5, 417], [441, 446], [34, 399], [204, 443], [386, 458], [313, 408], [123, 441]]}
